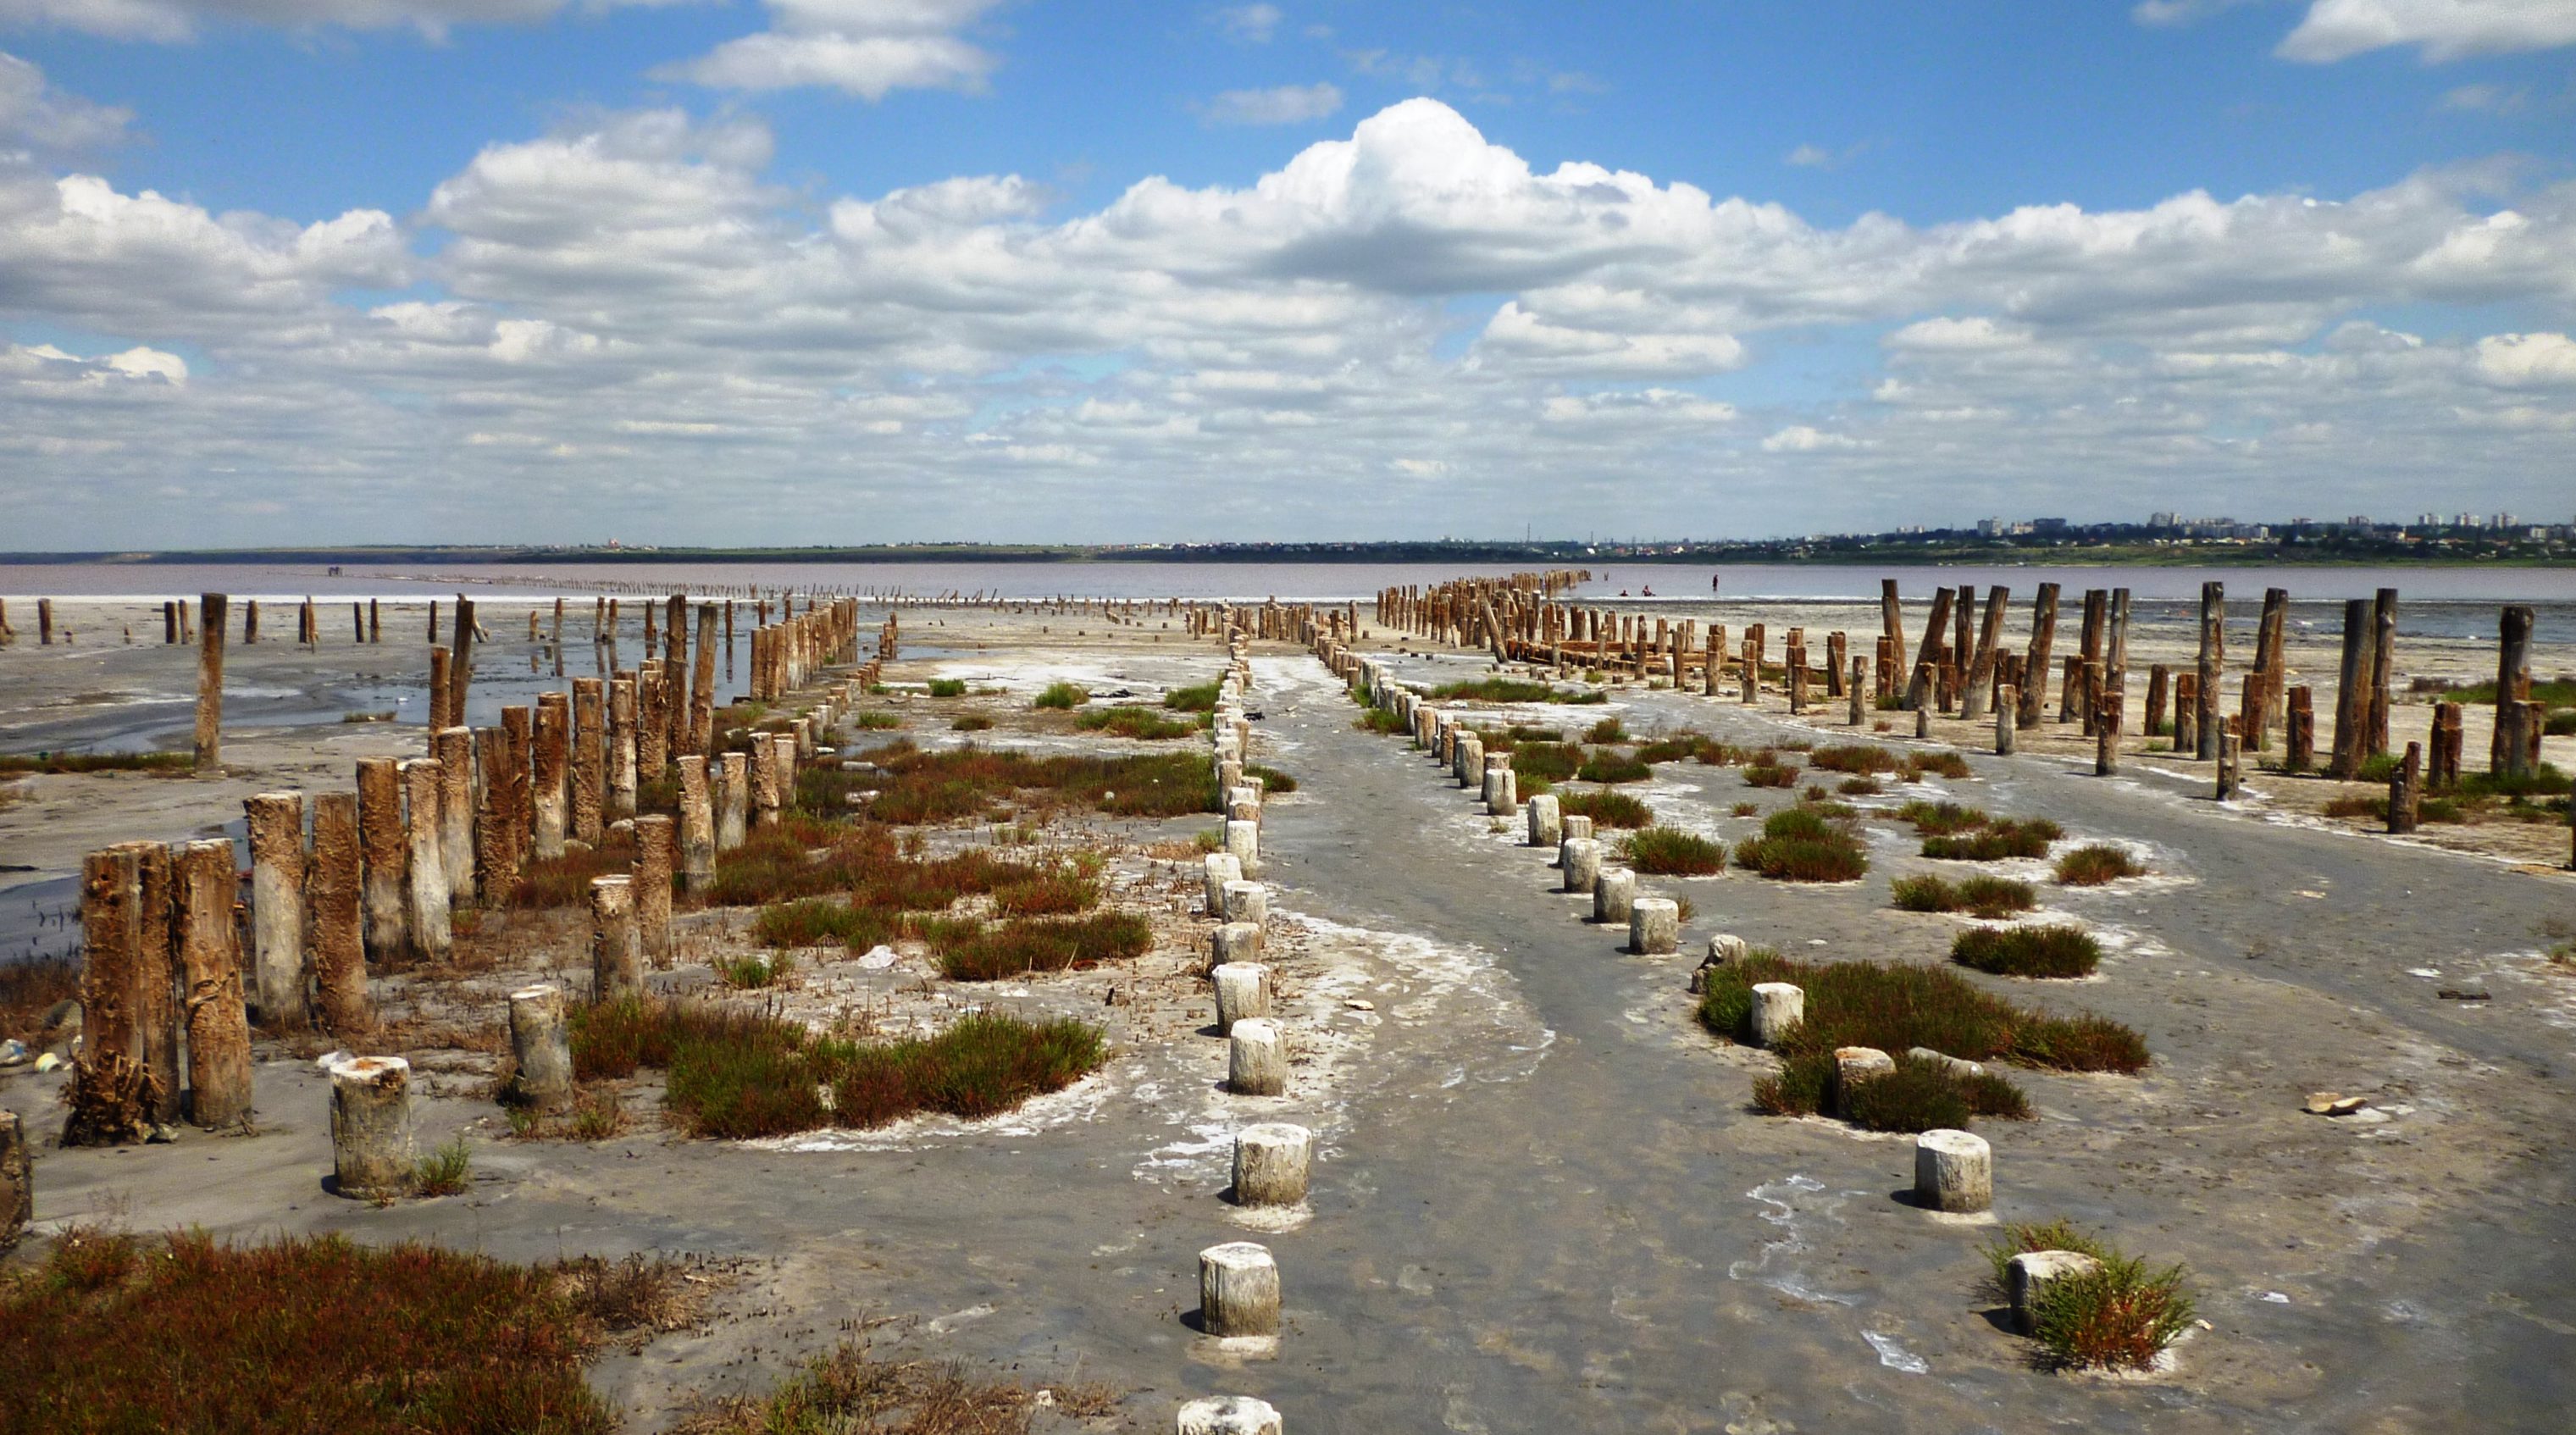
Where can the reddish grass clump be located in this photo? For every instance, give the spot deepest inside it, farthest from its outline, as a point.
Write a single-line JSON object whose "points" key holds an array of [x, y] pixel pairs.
{"points": [[1801, 845], [974, 953], [2050, 951], [2094, 865], [735, 1073], [1981, 896], [1858, 758], [308, 1334], [2027, 837], [1896, 1007], [1671, 852], [565, 881], [1606, 808]]}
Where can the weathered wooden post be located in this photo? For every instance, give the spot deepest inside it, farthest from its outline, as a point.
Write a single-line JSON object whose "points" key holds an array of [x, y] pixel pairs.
{"points": [[621, 749], [276, 827], [541, 1048], [2406, 790], [2186, 738], [2443, 772], [111, 987], [732, 799], [2299, 730], [697, 827], [454, 749], [371, 1142], [2213, 665], [2043, 635], [702, 696], [2513, 684], [547, 800], [2228, 750], [2106, 734], [2159, 692], [616, 954], [655, 857], [333, 927], [219, 1083], [442, 676], [386, 851], [1927, 658], [210, 684], [589, 758], [2383, 664], [2007, 719], [426, 888]]}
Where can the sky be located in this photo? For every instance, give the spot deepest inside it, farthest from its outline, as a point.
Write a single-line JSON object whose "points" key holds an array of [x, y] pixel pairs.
{"points": [[860, 271]]}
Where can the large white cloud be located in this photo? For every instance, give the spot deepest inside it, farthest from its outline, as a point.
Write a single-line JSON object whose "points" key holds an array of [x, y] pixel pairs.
{"points": [[2444, 29], [631, 316]]}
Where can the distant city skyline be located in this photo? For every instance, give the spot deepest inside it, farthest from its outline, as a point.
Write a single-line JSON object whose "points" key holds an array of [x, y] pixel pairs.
{"points": [[282, 272]]}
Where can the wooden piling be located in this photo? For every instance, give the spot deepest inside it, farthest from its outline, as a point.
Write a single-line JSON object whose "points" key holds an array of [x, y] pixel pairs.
{"points": [[219, 1080], [2383, 665], [275, 821], [425, 879], [385, 849], [655, 856], [2513, 682], [2352, 692], [454, 749], [2043, 635], [210, 684], [2213, 666], [2406, 790], [589, 758], [2299, 729], [334, 931], [157, 1012]]}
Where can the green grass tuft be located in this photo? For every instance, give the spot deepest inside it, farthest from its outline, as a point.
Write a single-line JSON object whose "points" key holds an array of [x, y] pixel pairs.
{"points": [[1606, 808], [1062, 696], [1801, 845]]}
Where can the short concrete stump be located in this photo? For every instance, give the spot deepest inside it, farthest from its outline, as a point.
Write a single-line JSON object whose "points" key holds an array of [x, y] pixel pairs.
{"points": [[1221, 868], [1577, 825], [1544, 828], [1727, 947], [1228, 1415], [1233, 942], [1256, 1061], [1581, 859], [2028, 1275], [1271, 1162], [1854, 1065], [1953, 1171], [1778, 1007], [1242, 990], [1247, 902], [1243, 844], [371, 1145], [1654, 926], [1614, 891], [1238, 1290]]}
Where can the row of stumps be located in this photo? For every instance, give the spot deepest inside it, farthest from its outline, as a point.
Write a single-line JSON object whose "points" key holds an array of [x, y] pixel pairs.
{"points": [[1239, 1280], [1953, 1170], [372, 1145]]}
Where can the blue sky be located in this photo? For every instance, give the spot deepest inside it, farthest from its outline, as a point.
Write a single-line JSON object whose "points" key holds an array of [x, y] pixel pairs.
{"points": [[1816, 267]]}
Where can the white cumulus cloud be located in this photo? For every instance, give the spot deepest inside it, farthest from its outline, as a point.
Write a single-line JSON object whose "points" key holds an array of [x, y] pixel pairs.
{"points": [[2443, 29]]}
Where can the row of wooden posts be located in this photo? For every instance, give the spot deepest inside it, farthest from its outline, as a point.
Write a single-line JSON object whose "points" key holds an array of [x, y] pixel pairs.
{"points": [[1955, 669], [342, 882]]}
